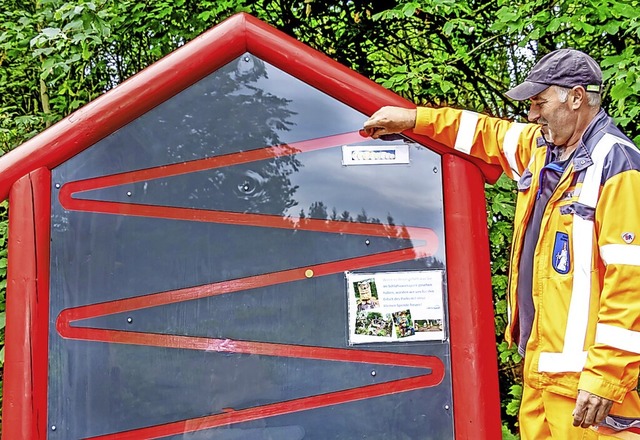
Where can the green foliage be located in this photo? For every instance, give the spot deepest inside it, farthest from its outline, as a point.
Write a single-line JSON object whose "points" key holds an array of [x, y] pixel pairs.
{"points": [[55, 56], [609, 30], [516, 392], [501, 210], [507, 435], [442, 52]]}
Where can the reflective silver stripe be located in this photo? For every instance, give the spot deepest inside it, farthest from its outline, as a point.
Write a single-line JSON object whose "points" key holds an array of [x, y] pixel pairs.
{"points": [[582, 237], [466, 131], [617, 140], [562, 362], [628, 254], [593, 175], [618, 337], [578, 317], [510, 147]]}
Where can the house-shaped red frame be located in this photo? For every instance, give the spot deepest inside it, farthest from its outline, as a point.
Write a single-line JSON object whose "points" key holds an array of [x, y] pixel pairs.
{"points": [[25, 178]]}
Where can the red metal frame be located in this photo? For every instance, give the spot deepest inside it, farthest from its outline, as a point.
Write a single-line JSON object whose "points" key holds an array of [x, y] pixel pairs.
{"points": [[476, 397], [476, 401], [26, 338]]}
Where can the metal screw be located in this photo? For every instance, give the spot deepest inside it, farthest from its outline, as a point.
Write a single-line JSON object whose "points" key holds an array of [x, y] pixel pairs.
{"points": [[373, 373]]}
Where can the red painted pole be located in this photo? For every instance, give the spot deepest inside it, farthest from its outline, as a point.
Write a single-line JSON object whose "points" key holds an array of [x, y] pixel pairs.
{"points": [[476, 397], [25, 368]]}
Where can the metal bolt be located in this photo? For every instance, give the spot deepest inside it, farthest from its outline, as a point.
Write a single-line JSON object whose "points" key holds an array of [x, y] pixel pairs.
{"points": [[373, 373]]}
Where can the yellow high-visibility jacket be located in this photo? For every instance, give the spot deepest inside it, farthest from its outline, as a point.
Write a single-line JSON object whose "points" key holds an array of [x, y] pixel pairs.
{"points": [[586, 328]]}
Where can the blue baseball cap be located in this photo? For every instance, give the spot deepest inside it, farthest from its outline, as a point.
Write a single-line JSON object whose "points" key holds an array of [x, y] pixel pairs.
{"points": [[565, 68]]}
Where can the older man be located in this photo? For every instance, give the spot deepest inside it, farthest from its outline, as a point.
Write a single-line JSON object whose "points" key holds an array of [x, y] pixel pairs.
{"points": [[575, 268]]}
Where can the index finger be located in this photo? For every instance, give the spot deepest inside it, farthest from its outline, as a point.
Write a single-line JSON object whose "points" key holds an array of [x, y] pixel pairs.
{"points": [[373, 132]]}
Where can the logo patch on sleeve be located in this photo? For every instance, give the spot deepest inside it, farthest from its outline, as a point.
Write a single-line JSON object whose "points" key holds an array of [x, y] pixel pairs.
{"points": [[561, 260], [628, 237]]}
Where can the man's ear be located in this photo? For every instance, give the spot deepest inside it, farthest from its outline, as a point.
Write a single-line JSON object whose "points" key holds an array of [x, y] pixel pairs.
{"points": [[577, 97]]}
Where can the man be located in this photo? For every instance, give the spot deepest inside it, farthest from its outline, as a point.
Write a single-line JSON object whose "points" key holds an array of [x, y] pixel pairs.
{"points": [[575, 268]]}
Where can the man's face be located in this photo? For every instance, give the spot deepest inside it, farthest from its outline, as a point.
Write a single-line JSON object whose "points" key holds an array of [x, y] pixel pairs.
{"points": [[557, 119], [365, 291]]}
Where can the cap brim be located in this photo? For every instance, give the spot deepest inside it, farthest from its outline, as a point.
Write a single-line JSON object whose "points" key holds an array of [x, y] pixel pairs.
{"points": [[526, 90]]}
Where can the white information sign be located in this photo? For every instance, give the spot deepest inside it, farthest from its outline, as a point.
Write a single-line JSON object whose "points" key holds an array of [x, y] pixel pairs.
{"points": [[395, 306], [374, 155]]}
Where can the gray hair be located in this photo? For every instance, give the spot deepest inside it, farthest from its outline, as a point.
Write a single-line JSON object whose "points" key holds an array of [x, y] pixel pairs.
{"points": [[593, 98]]}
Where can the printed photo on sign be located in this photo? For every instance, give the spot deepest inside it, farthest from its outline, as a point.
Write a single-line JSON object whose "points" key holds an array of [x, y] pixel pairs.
{"points": [[366, 295], [403, 324], [395, 306], [374, 324]]}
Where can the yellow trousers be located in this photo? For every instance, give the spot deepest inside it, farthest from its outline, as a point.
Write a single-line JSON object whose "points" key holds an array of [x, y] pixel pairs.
{"points": [[544, 415]]}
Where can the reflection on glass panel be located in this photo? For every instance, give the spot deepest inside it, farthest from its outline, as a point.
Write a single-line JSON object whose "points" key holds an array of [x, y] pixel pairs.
{"points": [[213, 232]]}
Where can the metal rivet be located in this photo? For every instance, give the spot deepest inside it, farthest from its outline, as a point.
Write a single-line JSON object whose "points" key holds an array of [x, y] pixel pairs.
{"points": [[246, 59], [582, 162], [129, 320], [308, 273], [367, 242], [373, 373], [57, 185], [435, 169], [129, 193], [446, 407], [53, 428]]}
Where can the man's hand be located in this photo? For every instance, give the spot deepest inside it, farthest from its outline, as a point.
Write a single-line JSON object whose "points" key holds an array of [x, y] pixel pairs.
{"points": [[590, 409], [390, 120]]}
